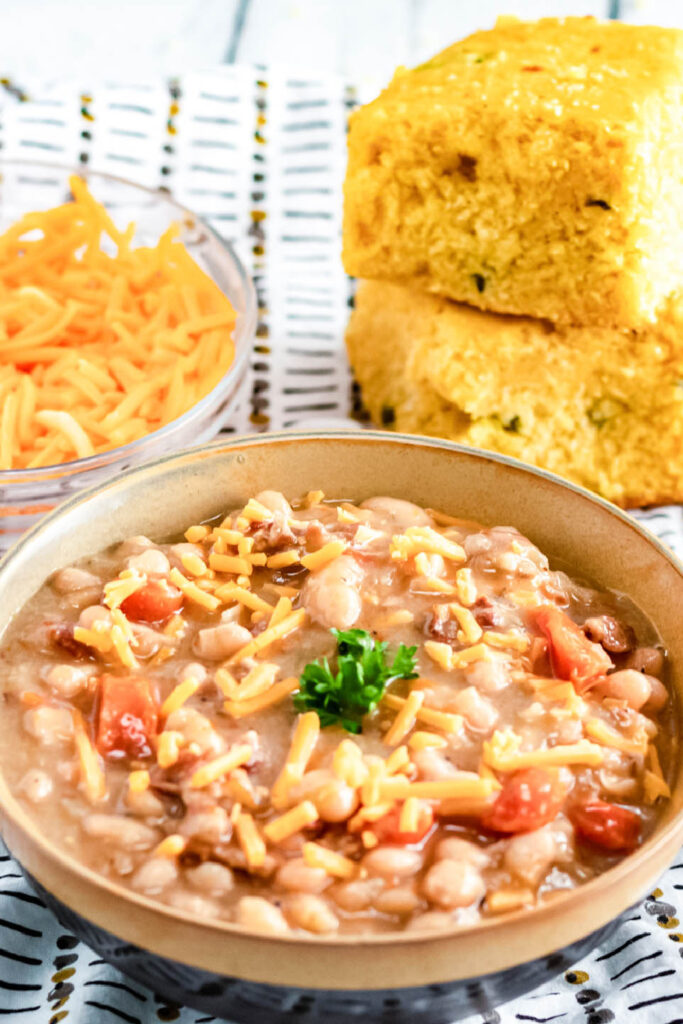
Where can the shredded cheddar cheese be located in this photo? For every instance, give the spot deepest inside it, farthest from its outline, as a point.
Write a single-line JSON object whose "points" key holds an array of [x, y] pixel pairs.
{"points": [[443, 720], [418, 539], [465, 587], [185, 689], [270, 635], [424, 740], [502, 752], [92, 775], [324, 555], [276, 693], [502, 901], [465, 784], [303, 744], [138, 781], [127, 583], [170, 847], [335, 864], [609, 737], [409, 818], [405, 719], [470, 630], [169, 744], [192, 592], [100, 348], [282, 609], [291, 822], [230, 592], [250, 841], [283, 559], [220, 766]]}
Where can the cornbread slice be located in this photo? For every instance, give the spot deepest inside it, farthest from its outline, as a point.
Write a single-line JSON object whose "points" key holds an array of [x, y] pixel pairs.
{"points": [[532, 169], [599, 406]]}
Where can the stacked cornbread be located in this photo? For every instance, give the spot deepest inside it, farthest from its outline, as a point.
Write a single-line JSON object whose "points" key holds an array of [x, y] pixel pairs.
{"points": [[533, 172]]}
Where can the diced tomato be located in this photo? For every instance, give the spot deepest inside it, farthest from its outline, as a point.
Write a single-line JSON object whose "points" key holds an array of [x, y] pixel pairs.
{"points": [[387, 828], [127, 718], [155, 602], [528, 800], [572, 654], [606, 825]]}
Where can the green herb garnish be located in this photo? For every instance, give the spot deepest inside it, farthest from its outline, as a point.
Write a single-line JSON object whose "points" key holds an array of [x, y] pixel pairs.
{"points": [[362, 676]]}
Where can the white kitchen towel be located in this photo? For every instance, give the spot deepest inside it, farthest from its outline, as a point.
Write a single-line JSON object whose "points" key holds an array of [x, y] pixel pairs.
{"points": [[260, 153]]}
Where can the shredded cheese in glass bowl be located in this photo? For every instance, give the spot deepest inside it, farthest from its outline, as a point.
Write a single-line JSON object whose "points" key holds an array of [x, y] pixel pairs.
{"points": [[125, 327]]}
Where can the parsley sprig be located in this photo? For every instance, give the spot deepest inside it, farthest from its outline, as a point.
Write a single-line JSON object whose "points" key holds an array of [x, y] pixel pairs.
{"points": [[362, 676]]}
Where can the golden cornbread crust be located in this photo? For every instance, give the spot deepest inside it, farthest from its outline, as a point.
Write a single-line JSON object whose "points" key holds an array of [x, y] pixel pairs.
{"points": [[601, 407], [532, 169]]}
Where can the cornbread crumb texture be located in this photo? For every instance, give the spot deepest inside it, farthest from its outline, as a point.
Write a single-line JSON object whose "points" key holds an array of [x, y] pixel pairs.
{"points": [[602, 407], [531, 169]]}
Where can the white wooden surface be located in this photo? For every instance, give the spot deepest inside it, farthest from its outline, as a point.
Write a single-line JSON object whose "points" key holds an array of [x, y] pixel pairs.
{"points": [[363, 40]]}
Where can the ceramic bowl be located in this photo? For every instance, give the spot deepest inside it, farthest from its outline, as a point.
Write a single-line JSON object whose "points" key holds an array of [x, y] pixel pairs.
{"points": [[428, 977]]}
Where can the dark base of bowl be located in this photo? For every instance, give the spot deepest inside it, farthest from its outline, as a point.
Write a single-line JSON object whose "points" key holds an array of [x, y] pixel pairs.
{"points": [[246, 1002]]}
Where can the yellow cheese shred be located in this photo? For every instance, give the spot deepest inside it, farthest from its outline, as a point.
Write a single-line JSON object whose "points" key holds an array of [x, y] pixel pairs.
{"points": [[92, 775], [291, 822], [250, 841], [502, 753], [220, 766], [335, 864]]}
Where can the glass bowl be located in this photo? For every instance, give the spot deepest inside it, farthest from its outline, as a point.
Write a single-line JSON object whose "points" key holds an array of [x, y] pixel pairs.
{"points": [[27, 494]]}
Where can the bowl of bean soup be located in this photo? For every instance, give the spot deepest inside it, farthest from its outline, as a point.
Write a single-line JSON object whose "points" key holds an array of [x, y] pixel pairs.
{"points": [[340, 723]]}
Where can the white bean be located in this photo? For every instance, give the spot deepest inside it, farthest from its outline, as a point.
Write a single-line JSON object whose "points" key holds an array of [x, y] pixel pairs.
{"points": [[401, 513], [455, 848], [176, 551], [154, 875], [311, 913], [197, 906], [297, 876], [68, 680], [196, 728], [66, 581], [275, 501], [628, 685], [257, 913], [336, 801], [150, 561], [124, 833], [92, 614], [49, 725], [219, 642], [332, 595], [529, 855], [402, 899], [144, 804], [479, 713], [489, 676], [211, 825], [212, 878], [432, 765], [134, 545], [358, 894], [36, 785], [453, 883], [392, 862]]}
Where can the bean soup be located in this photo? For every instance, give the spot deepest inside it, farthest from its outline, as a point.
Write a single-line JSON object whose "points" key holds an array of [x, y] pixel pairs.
{"points": [[323, 717]]}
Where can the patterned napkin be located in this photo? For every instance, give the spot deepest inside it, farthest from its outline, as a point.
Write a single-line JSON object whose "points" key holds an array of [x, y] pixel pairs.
{"points": [[261, 155]]}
